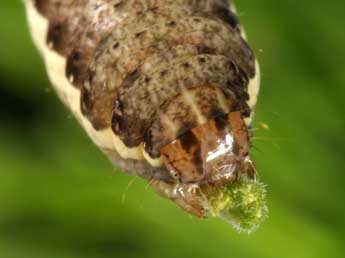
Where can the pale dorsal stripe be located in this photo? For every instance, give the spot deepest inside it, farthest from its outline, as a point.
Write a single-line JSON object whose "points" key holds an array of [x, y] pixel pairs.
{"points": [[190, 100], [222, 101], [170, 124]]}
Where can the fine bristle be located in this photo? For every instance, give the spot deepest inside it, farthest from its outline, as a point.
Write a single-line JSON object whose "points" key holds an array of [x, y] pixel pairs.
{"points": [[242, 204]]}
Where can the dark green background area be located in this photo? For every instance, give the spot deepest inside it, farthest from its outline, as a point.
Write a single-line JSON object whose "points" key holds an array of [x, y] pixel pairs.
{"points": [[60, 197]]}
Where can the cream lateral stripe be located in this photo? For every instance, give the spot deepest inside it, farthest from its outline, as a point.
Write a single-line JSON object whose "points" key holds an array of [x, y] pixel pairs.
{"points": [[254, 84], [254, 87], [105, 139], [253, 91]]}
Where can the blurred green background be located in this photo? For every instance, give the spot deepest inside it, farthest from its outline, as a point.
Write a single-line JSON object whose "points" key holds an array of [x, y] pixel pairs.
{"points": [[60, 197]]}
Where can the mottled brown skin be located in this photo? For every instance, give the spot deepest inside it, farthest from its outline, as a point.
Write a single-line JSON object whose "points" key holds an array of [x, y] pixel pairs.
{"points": [[108, 44], [138, 62]]}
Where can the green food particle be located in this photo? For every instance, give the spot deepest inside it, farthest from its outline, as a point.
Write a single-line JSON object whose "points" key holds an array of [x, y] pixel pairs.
{"points": [[241, 204]]}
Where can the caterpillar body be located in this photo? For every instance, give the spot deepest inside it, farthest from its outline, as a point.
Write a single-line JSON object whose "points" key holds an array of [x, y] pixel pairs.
{"points": [[165, 88]]}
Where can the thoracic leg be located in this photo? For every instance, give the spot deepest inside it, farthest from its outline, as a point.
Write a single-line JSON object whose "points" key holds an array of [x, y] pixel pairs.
{"points": [[185, 196]]}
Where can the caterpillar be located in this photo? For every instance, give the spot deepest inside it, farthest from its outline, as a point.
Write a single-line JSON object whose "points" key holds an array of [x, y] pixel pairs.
{"points": [[166, 89]]}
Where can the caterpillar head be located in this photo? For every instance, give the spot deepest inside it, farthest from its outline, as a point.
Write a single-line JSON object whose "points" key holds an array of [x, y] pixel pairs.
{"points": [[214, 175]]}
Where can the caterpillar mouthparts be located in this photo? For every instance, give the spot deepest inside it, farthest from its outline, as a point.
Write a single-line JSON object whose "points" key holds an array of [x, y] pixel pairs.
{"points": [[215, 175]]}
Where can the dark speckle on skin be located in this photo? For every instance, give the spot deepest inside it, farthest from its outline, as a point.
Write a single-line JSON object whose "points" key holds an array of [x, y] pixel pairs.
{"points": [[74, 68], [42, 6], [171, 23], [164, 72], [139, 34], [55, 36], [226, 15], [116, 45], [202, 49], [221, 122], [202, 60], [186, 127], [197, 160], [188, 140], [186, 65], [216, 112], [86, 103], [119, 4], [130, 78]]}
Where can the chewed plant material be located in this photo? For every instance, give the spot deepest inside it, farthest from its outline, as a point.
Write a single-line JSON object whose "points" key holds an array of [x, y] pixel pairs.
{"points": [[242, 203], [167, 89]]}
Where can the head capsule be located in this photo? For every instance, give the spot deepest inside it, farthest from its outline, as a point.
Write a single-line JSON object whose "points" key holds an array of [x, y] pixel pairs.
{"points": [[211, 154]]}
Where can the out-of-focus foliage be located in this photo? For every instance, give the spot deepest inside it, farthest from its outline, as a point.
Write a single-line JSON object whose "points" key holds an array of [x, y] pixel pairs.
{"points": [[60, 197]]}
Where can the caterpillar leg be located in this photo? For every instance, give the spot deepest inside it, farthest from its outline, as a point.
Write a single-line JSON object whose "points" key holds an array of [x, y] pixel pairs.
{"points": [[184, 195]]}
